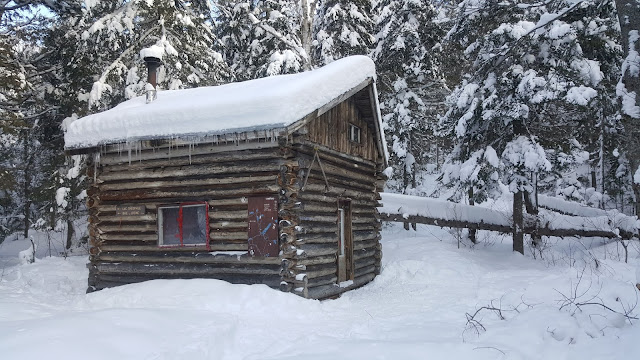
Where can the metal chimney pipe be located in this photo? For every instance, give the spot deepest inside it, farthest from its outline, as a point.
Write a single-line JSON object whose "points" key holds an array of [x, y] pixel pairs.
{"points": [[153, 63]]}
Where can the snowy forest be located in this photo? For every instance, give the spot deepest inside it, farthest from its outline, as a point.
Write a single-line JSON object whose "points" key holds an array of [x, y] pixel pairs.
{"points": [[528, 97], [490, 108]]}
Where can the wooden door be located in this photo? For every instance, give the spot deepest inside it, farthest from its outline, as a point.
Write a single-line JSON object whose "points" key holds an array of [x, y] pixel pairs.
{"points": [[263, 226], [345, 242]]}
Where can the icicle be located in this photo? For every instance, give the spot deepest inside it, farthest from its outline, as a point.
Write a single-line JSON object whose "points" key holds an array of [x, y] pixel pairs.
{"points": [[96, 160]]}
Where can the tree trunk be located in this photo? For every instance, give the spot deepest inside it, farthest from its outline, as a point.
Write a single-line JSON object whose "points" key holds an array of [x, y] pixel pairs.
{"points": [[27, 184], [636, 195], [472, 232], [70, 232], [306, 37], [531, 205], [414, 226], [629, 18], [518, 223]]}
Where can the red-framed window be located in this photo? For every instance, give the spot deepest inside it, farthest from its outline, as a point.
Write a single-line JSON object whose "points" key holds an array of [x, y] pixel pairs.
{"points": [[186, 224]]}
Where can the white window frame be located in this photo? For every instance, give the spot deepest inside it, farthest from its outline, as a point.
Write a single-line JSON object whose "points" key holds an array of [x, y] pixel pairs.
{"points": [[355, 133]]}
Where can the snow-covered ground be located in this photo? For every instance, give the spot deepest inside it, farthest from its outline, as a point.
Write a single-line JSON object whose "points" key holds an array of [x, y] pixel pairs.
{"points": [[416, 309]]}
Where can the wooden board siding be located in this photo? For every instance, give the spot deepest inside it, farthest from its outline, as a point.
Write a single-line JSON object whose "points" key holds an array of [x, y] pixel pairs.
{"points": [[125, 248], [331, 129], [313, 268]]}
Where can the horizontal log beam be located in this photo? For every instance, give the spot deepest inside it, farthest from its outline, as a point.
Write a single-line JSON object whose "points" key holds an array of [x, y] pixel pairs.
{"points": [[179, 269], [135, 195], [327, 291], [329, 155], [196, 159], [120, 157], [188, 171], [102, 281], [229, 261], [156, 248], [187, 182]]}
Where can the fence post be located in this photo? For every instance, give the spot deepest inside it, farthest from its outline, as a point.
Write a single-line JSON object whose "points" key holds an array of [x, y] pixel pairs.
{"points": [[518, 223]]}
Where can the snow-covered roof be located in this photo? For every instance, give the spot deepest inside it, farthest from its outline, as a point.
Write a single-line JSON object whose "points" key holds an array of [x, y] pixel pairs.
{"points": [[262, 104]]}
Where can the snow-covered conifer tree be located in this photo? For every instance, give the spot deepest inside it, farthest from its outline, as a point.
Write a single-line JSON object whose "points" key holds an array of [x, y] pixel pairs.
{"points": [[262, 38], [530, 74], [409, 80], [342, 28], [113, 33], [628, 89]]}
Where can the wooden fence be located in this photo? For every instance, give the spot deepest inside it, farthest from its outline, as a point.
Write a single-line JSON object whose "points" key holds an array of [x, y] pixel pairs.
{"points": [[556, 218]]}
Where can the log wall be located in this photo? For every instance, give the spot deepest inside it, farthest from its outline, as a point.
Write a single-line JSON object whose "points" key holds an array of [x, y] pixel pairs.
{"points": [[125, 248], [311, 269]]}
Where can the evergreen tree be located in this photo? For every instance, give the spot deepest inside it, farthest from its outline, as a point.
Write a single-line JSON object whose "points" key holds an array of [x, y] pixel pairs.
{"points": [[342, 28], [23, 109], [628, 88], [531, 76], [262, 38], [409, 80], [113, 33], [527, 68]]}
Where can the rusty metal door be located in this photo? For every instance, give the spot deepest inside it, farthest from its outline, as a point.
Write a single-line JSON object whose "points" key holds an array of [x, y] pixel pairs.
{"points": [[263, 226]]}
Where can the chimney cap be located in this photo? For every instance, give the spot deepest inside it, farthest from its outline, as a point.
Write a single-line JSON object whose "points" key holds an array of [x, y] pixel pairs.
{"points": [[152, 60], [153, 51]]}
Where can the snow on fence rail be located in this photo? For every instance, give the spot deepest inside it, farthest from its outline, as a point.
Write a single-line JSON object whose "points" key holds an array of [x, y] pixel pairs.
{"points": [[415, 209], [574, 214], [569, 207]]}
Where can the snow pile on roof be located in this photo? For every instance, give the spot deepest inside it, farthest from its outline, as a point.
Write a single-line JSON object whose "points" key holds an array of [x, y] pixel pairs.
{"points": [[268, 103]]}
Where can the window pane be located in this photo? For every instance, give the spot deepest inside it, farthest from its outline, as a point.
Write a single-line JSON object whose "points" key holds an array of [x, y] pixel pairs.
{"points": [[170, 231], [194, 224]]}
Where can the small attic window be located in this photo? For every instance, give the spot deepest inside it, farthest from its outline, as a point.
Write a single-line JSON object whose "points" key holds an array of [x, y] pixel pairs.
{"points": [[186, 224], [354, 133]]}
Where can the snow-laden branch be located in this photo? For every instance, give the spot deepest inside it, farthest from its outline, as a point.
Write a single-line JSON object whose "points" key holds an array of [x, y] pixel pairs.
{"points": [[96, 90], [303, 54], [542, 23]]}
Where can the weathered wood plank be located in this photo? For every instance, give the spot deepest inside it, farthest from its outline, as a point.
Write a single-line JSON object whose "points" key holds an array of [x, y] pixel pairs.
{"points": [[181, 268], [190, 249], [190, 171], [132, 196], [105, 280], [198, 159], [188, 182], [329, 155], [122, 157], [327, 291], [229, 261], [331, 104]]}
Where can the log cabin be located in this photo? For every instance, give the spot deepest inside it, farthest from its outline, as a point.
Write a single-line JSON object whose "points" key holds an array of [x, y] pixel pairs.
{"points": [[271, 181]]}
